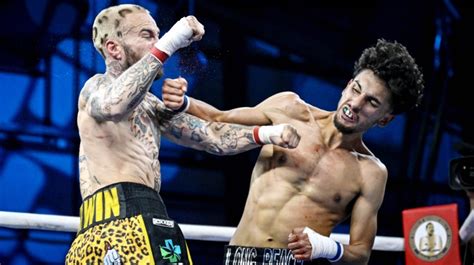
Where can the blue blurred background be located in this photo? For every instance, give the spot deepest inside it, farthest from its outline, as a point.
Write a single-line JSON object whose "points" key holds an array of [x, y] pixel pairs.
{"points": [[250, 51]]}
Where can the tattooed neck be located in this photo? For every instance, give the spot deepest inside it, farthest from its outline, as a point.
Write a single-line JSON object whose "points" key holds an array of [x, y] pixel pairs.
{"points": [[115, 68]]}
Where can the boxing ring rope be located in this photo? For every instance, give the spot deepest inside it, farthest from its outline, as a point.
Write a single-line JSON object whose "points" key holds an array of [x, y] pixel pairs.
{"points": [[62, 223]]}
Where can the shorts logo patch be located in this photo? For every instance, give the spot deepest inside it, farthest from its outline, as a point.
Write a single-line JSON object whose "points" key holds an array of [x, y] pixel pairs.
{"points": [[111, 256], [170, 251], [163, 223]]}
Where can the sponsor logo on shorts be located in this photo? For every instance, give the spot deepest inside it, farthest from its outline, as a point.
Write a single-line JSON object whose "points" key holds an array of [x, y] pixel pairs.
{"points": [[430, 238], [253, 256], [163, 222], [171, 252], [111, 255]]}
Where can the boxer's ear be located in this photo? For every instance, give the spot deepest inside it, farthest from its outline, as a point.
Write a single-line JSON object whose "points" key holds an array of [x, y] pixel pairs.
{"points": [[385, 120], [114, 49]]}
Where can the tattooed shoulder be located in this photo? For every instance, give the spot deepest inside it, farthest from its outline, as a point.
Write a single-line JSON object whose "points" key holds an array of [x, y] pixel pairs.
{"points": [[93, 84]]}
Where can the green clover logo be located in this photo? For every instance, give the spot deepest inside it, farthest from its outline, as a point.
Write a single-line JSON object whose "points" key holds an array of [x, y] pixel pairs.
{"points": [[170, 251]]}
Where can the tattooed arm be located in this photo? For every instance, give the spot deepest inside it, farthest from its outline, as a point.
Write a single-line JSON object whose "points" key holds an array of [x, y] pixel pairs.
{"points": [[113, 99], [212, 137], [220, 138]]}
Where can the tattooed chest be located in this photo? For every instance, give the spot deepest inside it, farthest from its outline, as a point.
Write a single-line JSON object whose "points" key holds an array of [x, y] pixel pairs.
{"points": [[144, 128]]}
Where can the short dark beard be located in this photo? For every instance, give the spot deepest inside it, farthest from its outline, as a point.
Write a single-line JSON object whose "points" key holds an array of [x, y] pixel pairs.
{"points": [[130, 57], [341, 128]]}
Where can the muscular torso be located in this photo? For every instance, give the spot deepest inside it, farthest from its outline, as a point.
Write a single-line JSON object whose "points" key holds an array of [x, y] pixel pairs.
{"points": [[116, 151], [313, 185]]}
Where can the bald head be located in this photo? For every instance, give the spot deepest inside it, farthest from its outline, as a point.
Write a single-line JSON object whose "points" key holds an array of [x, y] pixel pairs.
{"points": [[109, 24]]}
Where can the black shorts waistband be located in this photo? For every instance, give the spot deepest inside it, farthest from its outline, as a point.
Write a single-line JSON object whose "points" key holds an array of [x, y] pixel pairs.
{"points": [[118, 201], [240, 255]]}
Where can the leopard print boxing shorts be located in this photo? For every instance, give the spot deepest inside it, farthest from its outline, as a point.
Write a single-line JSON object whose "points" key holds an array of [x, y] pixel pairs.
{"points": [[127, 223]]}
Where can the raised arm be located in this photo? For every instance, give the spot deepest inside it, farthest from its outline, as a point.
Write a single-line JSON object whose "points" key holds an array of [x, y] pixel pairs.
{"points": [[116, 95], [115, 99], [173, 92]]}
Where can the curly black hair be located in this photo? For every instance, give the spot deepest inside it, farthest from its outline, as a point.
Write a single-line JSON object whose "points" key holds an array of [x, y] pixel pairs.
{"points": [[391, 62]]}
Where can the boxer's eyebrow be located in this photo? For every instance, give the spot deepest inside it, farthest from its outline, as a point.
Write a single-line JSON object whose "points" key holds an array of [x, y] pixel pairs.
{"points": [[370, 97]]}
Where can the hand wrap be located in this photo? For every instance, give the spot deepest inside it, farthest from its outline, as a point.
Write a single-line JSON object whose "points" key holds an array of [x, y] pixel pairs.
{"points": [[324, 247], [262, 134], [179, 36]]}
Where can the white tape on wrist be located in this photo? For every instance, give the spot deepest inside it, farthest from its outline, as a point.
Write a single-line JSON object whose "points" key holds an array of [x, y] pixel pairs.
{"points": [[324, 247], [262, 134], [179, 36]]}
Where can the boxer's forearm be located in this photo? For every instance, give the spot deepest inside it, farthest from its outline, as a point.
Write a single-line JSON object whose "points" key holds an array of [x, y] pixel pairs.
{"points": [[355, 254], [121, 96], [243, 115], [213, 137], [203, 110]]}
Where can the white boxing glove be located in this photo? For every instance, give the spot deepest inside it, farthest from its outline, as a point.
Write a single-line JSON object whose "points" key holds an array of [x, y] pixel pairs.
{"points": [[323, 246]]}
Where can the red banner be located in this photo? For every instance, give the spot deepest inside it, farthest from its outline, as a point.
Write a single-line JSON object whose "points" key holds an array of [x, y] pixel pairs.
{"points": [[431, 235]]}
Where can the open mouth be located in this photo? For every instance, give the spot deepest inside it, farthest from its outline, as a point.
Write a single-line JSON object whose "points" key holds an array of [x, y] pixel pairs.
{"points": [[348, 113]]}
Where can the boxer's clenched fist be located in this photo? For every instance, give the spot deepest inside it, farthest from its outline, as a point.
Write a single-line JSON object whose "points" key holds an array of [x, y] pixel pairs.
{"points": [[173, 92], [182, 34], [284, 135]]}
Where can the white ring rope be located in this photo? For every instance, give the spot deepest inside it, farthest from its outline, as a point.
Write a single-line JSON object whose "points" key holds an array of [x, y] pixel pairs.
{"points": [[63, 223]]}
